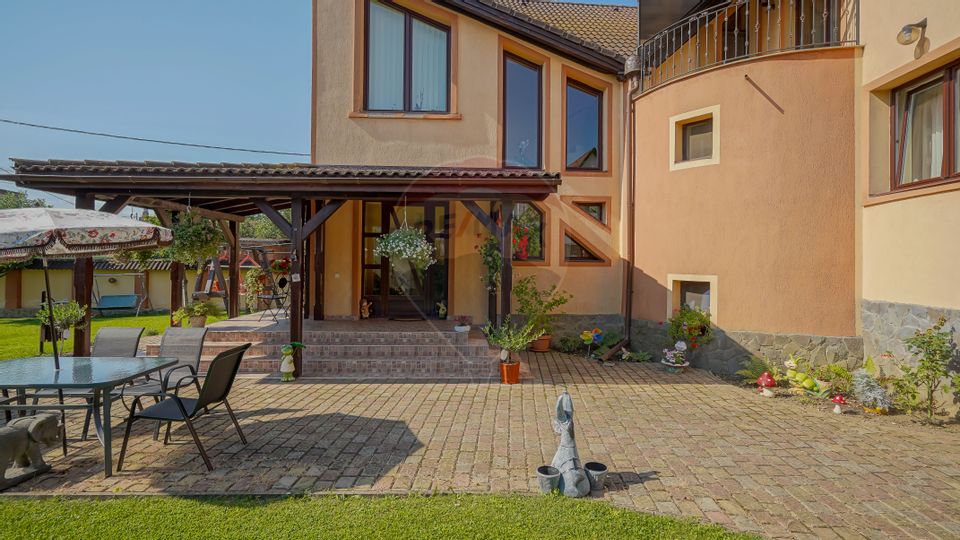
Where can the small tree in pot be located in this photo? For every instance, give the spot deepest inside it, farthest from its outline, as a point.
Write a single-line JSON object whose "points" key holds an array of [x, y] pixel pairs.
{"points": [[511, 339], [196, 313], [66, 316], [537, 306]]}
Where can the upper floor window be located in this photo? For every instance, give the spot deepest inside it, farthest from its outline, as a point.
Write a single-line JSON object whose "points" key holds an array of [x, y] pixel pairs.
{"points": [[407, 61], [696, 139], [522, 113], [925, 135], [584, 126]]}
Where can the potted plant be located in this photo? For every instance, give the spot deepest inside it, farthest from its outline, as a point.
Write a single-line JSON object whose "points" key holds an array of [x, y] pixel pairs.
{"points": [[691, 325], [537, 306], [195, 239], [65, 316], [675, 358], [511, 339], [254, 283], [405, 244], [463, 324], [280, 266], [196, 313]]}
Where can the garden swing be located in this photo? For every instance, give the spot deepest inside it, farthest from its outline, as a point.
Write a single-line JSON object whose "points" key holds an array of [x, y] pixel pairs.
{"points": [[210, 282], [112, 302]]}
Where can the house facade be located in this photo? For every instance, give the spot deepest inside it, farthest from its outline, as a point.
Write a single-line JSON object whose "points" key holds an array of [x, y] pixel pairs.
{"points": [[789, 166]]}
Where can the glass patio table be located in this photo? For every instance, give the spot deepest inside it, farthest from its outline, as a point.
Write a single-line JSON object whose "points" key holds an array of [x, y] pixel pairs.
{"points": [[100, 375]]}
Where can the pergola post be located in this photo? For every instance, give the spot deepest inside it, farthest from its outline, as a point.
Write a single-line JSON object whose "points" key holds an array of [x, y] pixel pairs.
{"points": [[83, 286], [233, 267], [506, 259], [176, 275], [296, 280]]}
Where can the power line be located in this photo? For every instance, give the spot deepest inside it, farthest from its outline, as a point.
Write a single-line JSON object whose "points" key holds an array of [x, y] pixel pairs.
{"points": [[144, 139]]}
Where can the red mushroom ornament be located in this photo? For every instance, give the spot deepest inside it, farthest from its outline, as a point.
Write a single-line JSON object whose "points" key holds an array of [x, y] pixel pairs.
{"points": [[839, 400], [764, 383]]}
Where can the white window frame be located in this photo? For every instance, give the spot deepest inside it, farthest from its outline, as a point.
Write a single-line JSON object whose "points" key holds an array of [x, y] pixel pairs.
{"points": [[675, 136]]}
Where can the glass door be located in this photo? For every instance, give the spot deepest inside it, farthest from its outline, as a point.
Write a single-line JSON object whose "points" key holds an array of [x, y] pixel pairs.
{"points": [[403, 291]]}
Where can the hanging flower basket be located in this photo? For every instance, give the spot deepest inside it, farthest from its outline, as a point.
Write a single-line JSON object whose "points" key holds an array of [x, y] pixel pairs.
{"points": [[405, 244]]}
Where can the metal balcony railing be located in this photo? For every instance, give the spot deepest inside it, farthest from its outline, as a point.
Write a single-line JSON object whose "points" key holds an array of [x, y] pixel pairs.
{"points": [[741, 29]]}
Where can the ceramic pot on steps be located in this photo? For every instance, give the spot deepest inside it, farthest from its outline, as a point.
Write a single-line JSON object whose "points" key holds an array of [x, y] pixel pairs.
{"points": [[541, 344], [198, 322]]}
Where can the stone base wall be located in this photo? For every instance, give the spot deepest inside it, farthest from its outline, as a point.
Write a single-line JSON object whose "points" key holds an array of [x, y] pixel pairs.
{"points": [[572, 325], [887, 324], [729, 348]]}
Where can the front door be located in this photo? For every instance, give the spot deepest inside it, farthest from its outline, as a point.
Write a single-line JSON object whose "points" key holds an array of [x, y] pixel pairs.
{"points": [[404, 291]]}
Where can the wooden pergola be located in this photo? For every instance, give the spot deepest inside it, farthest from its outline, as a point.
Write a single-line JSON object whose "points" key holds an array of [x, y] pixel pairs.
{"points": [[228, 192]]}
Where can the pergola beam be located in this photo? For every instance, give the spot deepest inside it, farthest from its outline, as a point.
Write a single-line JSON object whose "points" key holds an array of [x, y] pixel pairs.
{"points": [[321, 217], [274, 216], [83, 287], [162, 204], [483, 217], [116, 204]]}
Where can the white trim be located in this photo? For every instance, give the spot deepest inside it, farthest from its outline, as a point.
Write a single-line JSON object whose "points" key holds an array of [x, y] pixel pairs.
{"points": [[676, 122], [673, 281]]}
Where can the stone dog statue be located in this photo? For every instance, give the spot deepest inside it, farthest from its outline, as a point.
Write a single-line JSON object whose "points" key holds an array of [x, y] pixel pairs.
{"points": [[21, 441], [573, 479]]}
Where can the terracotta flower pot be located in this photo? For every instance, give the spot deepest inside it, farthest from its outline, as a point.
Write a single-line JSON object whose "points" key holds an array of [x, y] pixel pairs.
{"points": [[198, 322], [541, 344], [509, 372]]}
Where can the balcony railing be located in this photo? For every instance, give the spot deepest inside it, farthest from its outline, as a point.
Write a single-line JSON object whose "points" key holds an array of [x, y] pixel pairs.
{"points": [[741, 29]]}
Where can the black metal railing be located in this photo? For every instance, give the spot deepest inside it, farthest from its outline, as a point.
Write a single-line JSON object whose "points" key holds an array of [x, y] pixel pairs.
{"points": [[741, 29]]}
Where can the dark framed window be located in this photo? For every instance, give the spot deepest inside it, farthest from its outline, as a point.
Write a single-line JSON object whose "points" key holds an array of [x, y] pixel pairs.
{"points": [[522, 113], [584, 127], [696, 140], [596, 210], [574, 251], [924, 135], [695, 294], [529, 226], [407, 61]]}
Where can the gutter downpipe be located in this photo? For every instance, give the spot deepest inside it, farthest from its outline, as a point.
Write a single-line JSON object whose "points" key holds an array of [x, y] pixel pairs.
{"points": [[631, 226]]}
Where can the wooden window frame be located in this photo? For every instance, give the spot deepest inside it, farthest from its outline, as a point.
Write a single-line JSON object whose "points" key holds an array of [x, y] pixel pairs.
{"points": [[573, 201], [567, 230], [600, 95], [949, 76], [510, 56], [409, 15]]}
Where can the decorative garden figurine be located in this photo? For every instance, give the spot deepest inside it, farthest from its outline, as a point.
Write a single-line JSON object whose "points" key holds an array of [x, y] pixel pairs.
{"points": [[366, 307], [573, 479], [286, 361], [21, 442]]}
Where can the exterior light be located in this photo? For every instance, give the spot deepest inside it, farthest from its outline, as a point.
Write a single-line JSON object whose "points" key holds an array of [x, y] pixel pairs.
{"points": [[911, 32]]}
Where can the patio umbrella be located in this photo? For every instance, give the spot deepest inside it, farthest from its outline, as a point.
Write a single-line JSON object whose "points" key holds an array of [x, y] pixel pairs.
{"points": [[45, 233]]}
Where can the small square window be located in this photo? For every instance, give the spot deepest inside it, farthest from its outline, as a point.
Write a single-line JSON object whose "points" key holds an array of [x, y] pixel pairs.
{"points": [[696, 140], [695, 294]]}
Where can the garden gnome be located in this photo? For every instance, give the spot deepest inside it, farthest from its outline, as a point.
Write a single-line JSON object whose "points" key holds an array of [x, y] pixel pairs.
{"points": [[286, 363], [573, 479]]}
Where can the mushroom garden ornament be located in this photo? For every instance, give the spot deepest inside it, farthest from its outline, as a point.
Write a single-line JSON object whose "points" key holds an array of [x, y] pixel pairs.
{"points": [[764, 383], [839, 401]]}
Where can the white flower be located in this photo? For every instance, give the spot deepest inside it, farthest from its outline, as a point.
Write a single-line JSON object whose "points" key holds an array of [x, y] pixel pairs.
{"points": [[680, 346]]}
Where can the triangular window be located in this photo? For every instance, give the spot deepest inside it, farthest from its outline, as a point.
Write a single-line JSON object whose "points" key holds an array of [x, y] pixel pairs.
{"points": [[574, 251]]}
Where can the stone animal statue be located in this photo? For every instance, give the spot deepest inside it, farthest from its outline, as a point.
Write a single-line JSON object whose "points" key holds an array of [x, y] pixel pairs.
{"points": [[22, 439], [573, 479]]}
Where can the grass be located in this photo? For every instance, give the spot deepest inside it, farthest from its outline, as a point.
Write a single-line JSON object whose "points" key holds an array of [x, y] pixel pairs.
{"points": [[442, 516], [20, 337]]}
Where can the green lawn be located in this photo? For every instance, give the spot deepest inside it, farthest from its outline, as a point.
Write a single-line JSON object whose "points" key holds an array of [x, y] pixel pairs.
{"points": [[20, 337], [444, 516]]}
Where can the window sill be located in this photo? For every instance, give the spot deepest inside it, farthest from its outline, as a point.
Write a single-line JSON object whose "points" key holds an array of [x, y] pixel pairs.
{"points": [[530, 262], [694, 163], [405, 115], [588, 173], [951, 183]]}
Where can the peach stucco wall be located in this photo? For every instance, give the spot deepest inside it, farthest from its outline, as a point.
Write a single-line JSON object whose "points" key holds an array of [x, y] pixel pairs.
{"points": [[909, 248], [774, 220], [470, 136]]}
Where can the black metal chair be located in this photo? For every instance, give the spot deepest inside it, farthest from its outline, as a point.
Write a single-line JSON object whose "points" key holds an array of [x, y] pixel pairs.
{"points": [[216, 386], [276, 301]]}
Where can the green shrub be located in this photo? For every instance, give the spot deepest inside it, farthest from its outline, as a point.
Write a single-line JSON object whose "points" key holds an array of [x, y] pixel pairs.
{"points": [[569, 344], [840, 379], [538, 305], [68, 315], [919, 385], [512, 337], [755, 366]]}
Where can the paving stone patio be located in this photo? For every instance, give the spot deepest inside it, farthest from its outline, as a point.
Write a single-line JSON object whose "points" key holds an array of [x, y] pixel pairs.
{"points": [[686, 445]]}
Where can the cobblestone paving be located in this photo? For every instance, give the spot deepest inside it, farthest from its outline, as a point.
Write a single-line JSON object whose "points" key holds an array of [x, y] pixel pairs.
{"points": [[687, 445]]}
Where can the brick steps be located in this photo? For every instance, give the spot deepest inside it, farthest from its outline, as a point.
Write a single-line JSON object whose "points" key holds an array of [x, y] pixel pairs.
{"points": [[363, 355]]}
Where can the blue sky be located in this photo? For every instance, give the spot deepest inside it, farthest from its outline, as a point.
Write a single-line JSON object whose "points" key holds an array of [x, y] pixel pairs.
{"points": [[222, 72]]}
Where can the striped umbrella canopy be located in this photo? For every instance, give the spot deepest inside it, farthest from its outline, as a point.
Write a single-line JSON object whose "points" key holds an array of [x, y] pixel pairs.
{"points": [[29, 233]]}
